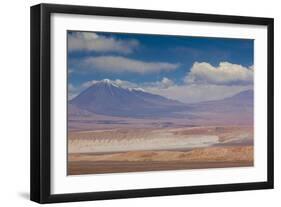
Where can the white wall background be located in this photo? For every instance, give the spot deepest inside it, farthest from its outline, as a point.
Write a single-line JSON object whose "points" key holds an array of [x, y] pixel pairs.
{"points": [[14, 101]]}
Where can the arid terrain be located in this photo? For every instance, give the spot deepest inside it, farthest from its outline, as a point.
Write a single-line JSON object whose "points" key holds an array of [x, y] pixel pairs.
{"points": [[149, 149], [149, 102], [113, 129]]}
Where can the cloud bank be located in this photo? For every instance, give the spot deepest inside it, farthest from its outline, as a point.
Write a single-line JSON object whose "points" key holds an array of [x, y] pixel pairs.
{"points": [[90, 41], [225, 74], [119, 64], [205, 82]]}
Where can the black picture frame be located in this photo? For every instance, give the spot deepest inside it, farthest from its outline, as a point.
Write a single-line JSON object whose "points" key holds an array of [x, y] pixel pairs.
{"points": [[40, 184]]}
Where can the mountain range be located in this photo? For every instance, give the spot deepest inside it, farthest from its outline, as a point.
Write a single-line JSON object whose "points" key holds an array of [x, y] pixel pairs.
{"points": [[107, 98]]}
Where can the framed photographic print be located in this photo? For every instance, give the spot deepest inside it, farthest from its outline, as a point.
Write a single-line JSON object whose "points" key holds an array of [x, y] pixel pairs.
{"points": [[133, 103]]}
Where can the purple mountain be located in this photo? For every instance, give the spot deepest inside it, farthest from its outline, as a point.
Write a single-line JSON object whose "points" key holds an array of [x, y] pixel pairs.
{"points": [[239, 103], [236, 110], [107, 98]]}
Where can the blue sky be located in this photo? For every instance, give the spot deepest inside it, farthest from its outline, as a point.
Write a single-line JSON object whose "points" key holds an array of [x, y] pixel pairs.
{"points": [[146, 61]]}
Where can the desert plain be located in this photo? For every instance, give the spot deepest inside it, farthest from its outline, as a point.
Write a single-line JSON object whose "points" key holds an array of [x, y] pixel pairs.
{"points": [[153, 148], [113, 129]]}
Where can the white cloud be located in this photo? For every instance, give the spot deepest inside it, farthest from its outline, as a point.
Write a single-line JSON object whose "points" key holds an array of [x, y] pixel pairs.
{"points": [[119, 64], [91, 41], [166, 82], [205, 82], [225, 74]]}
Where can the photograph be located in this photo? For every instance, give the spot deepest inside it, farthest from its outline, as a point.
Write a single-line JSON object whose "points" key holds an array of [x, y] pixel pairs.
{"points": [[133, 103], [151, 102]]}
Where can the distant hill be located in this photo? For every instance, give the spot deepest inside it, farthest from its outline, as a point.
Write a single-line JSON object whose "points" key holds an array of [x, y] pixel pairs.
{"points": [[236, 110], [240, 102]]}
